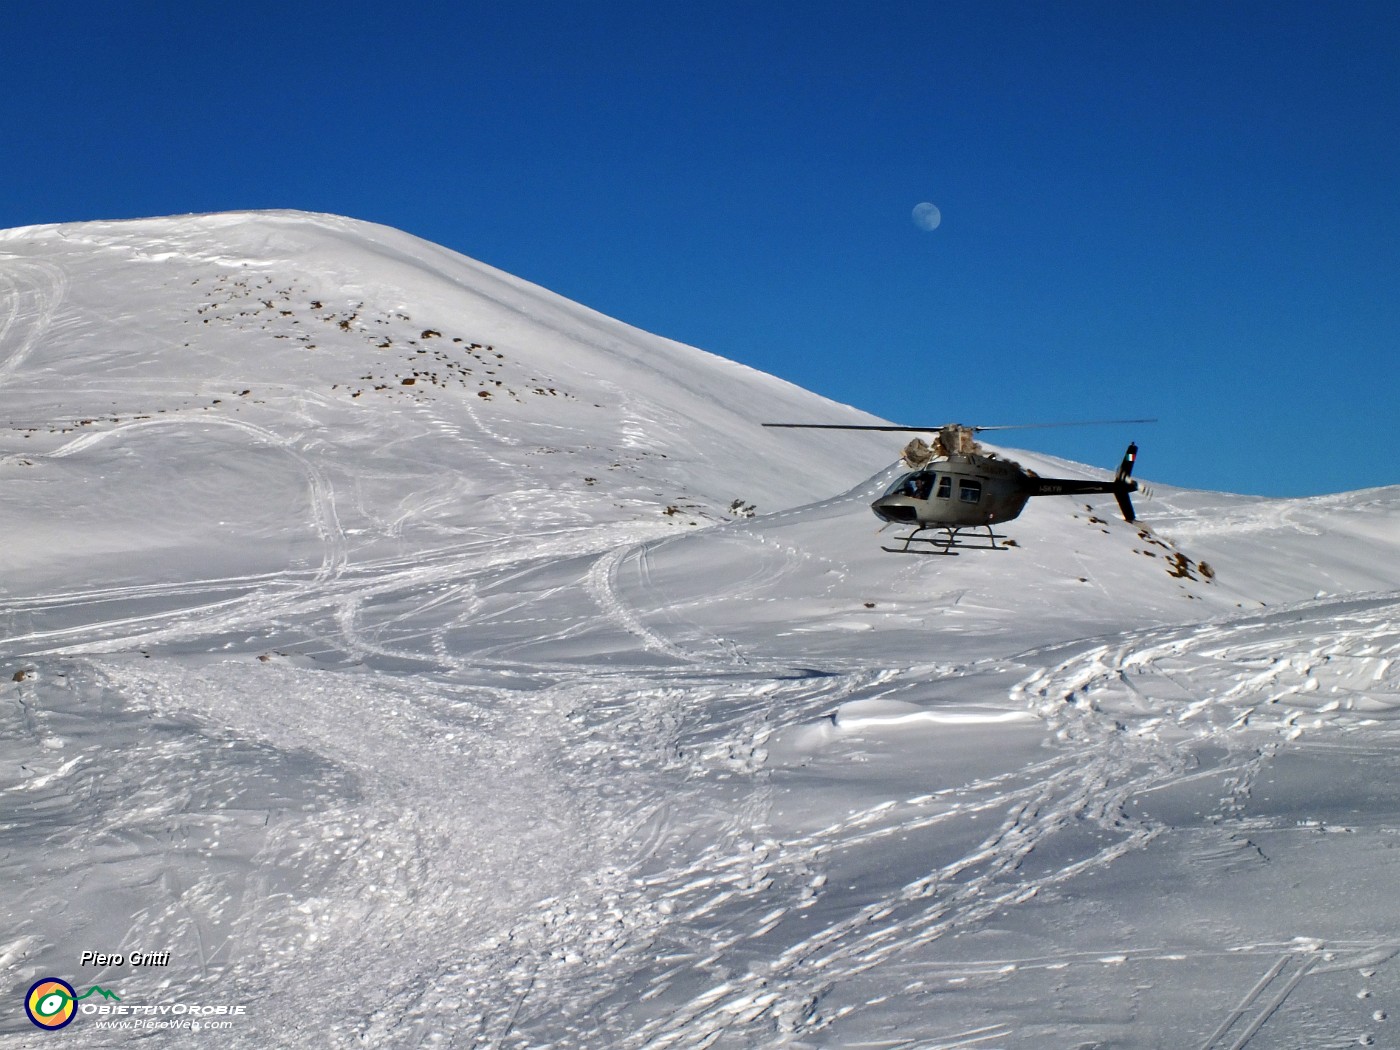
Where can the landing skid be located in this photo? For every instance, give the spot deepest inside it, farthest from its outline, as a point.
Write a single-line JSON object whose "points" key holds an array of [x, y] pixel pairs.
{"points": [[946, 543], [914, 550]]}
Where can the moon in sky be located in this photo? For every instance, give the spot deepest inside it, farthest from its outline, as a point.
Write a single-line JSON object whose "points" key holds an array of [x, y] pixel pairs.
{"points": [[927, 216]]}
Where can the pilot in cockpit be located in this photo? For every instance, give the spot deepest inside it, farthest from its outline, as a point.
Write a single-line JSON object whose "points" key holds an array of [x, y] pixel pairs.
{"points": [[918, 485]]}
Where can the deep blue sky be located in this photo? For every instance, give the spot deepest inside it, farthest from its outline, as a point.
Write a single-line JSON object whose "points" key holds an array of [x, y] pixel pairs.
{"points": [[1182, 210]]}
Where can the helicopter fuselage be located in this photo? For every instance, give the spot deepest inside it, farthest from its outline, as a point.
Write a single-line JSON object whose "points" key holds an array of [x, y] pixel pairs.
{"points": [[965, 492], [968, 491]]}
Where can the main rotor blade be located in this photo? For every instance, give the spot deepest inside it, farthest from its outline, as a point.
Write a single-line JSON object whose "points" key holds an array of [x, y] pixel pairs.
{"points": [[844, 426], [934, 430], [1075, 423]]}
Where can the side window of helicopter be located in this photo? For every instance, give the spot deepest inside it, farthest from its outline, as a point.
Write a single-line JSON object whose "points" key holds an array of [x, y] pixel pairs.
{"points": [[945, 487], [969, 491], [923, 485]]}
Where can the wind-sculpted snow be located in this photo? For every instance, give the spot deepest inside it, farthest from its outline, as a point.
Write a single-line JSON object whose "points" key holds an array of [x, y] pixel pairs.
{"points": [[389, 641], [1327, 663]]}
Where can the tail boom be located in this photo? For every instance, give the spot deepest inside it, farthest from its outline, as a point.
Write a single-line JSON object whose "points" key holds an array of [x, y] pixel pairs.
{"points": [[1119, 487]]}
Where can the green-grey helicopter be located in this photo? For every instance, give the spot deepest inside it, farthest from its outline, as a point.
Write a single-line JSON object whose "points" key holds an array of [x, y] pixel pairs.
{"points": [[955, 485]]}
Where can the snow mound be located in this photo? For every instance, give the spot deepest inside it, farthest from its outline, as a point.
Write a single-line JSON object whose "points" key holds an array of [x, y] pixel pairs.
{"points": [[883, 714]]}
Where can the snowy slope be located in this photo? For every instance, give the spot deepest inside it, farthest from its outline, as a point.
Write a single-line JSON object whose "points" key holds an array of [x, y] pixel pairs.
{"points": [[381, 640]]}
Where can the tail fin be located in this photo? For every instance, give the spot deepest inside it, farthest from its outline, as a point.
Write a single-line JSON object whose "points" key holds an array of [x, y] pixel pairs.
{"points": [[1123, 484]]}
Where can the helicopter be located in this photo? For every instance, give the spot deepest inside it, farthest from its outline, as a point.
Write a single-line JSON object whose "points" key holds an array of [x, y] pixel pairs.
{"points": [[955, 485]]}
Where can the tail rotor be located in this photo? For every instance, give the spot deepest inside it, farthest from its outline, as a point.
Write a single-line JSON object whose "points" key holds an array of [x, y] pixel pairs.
{"points": [[1123, 484]]}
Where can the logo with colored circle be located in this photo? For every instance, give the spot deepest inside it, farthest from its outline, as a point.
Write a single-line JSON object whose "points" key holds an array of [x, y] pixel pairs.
{"points": [[51, 1003]]}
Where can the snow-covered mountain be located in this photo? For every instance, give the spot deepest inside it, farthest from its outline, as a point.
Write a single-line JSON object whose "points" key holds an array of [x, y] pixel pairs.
{"points": [[388, 640]]}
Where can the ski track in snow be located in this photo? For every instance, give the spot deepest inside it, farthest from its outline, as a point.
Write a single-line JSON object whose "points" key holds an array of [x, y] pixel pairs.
{"points": [[1321, 665], [324, 518], [602, 584], [1092, 785], [1084, 699], [31, 292], [1342, 666]]}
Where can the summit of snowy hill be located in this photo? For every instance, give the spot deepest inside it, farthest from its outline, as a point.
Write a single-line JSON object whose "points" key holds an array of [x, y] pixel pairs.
{"points": [[404, 386], [358, 322], [419, 658]]}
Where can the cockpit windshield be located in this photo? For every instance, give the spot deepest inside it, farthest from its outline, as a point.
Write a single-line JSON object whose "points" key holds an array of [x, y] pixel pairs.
{"points": [[917, 485]]}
